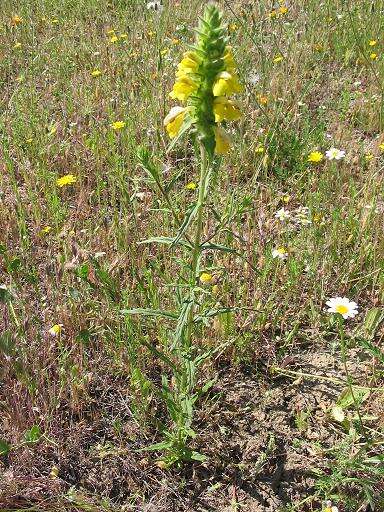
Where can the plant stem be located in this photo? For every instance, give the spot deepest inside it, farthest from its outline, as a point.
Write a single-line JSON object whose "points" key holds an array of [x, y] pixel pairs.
{"points": [[197, 242], [349, 380]]}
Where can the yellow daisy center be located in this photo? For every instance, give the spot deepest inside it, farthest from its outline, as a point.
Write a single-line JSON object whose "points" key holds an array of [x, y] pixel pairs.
{"points": [[340, 308]]}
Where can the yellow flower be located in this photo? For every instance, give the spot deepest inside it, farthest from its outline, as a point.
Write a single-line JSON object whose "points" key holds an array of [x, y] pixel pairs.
{"points": [[273, 14], [225, 109], [55, 330], [189, 64], [29, 141], [183, 88], [223, 141], [68, 179], [174, 121], [113, 39], [55, 21], [164, 51], [229, 61], [118, 125], [368, 156], [226, 84], [372, 42], [373, 56], [283, 9], [381, 146], [16, 20], [17, 45], [232, 27], [278, 58], [175, 40], [123, 36], [259, 149], [95, 73], [191, 186], [206, 278], [45, 230], [315, 157], [263, 100]]}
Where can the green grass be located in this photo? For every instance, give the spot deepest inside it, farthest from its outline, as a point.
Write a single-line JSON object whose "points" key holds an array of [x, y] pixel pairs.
{"points": [[55, 119]]}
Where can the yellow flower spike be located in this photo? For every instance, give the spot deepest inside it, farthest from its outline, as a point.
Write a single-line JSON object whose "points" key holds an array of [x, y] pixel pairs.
{"points": [[183, 88], [223, 141], [226, 84], [174, 121], [225, 109]]}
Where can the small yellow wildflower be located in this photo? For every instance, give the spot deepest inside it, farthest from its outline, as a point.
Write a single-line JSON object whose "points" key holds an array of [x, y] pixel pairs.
{"points": [[111, 31], [29, 141], [55, 330], [381, 146], [164, 51], [259, 149], [45, 230], [55, 21], [67, 179], [191, 186], [286, 198], [95, 73], [232, 27], [123, 36], [368, 156], [16, 20], [118, 125], [175, 40], [54, 472], [372, 42], [114, 39], [17, 46], [283, 9], [315, 157], [262, 100], [150, 33], [273, 14], [278, 58], [373, 56], [174, 120], [206, 278]]}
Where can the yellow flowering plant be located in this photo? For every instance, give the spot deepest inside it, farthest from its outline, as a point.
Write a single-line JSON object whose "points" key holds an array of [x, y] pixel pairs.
{"points": [[206, 80]]}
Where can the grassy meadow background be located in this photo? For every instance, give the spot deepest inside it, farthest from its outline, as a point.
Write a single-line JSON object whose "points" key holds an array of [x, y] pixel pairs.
{"points": [[77, 407]]}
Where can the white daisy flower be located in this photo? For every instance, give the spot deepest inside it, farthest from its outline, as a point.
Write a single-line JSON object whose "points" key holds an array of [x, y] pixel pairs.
{"points": [[155, 5], [280, 252], [343, 306], [282, 214], [55, 330], [334, 154]]}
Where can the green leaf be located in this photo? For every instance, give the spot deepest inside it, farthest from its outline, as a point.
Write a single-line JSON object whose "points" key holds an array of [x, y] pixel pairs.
{"points": [[198, 456], [216, 247], [167, 240], [150, 312], [5, 295], [164, 445], [5, 448], [189, 216], [14, 265], [32, 435], [372, 349], [346, 399], [372, 321]]}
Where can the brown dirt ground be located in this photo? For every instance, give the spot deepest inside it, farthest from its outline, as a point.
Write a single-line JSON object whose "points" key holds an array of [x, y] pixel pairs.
{"points": [[258, 457]]}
